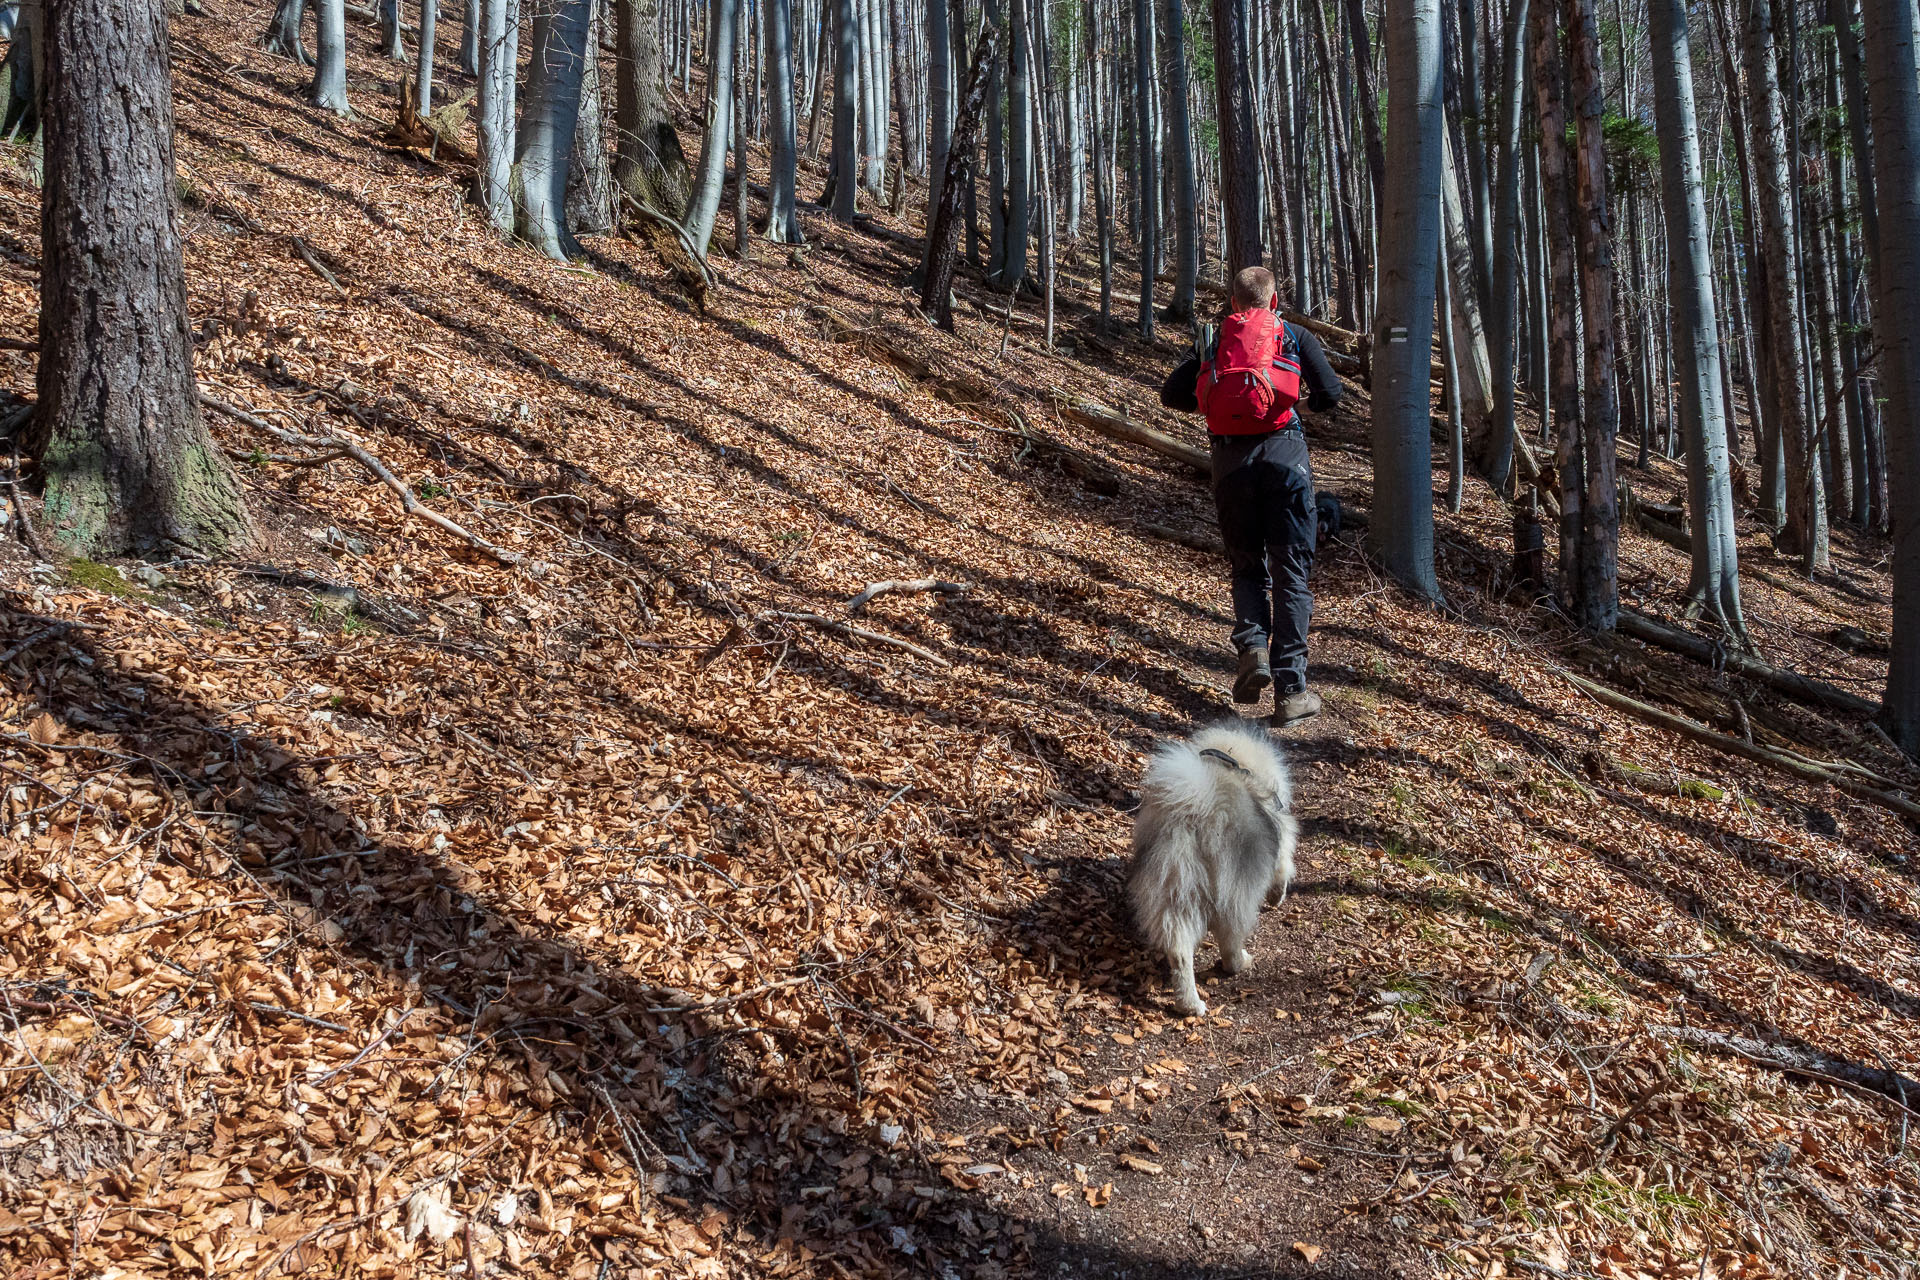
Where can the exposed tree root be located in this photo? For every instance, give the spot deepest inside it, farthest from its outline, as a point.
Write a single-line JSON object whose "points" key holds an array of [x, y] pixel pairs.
{"points": [[859, 602]]}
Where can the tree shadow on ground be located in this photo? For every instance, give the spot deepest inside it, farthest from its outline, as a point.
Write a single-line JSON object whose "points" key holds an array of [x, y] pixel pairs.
{"points": [[639, 1073]]}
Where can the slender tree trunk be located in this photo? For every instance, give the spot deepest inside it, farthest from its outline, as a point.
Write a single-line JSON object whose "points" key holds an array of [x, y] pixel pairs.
{"points": [[1401, 529], [469, 37], [589, 207], [1497, 460], [846, 97], [1847, 46], [1180, 171], [127, 462], [1564, 363], [1102, 168], [1369, 99], [1847, 279], [1806, 528], [1598, 602], [1450, 368], [1469, 335], [710, 174], [940, 122], [1239, 154], [494, 114], [549, 118], [742, 90], [943, 237], [1893, 75], [330, 56], [423, 67], [648, 164], [391, 47], [783, 219], [1013, 267], [1714, 584], [1146, 177], [283, 32]]}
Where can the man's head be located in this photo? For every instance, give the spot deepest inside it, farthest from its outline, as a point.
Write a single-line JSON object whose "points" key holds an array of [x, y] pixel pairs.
{"points": [[1253, 287]]}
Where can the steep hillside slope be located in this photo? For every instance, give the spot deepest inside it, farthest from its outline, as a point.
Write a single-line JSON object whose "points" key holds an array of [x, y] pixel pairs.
{"points": [[623, 905]]}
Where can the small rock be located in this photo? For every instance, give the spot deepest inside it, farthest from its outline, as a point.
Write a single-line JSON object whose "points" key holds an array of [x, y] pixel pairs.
{"points": [[147, 576]]}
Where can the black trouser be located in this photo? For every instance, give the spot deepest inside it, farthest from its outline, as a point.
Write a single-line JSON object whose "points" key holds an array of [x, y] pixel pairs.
{"points": [[1263, 492]]}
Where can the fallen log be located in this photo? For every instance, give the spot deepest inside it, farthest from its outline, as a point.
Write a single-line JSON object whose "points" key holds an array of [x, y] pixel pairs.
{"points": [[1791, 683], [1197, 541], [1098, 417], [1795, 1060], [859, 602], [1786, 762]]}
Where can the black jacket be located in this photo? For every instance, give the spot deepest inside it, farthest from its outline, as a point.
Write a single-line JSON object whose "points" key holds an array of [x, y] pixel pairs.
{"points": [[1322, 384]]}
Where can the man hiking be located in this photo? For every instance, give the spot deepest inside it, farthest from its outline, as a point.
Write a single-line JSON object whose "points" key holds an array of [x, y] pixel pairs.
{"points": [[1248, 381]]}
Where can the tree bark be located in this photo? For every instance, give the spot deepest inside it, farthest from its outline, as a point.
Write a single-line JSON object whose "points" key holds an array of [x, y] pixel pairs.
{"points": [[1146, 177], [390, 44], [1893, 71], [494, 114], [1564, 363], [1239, 153], [330, 61], [846, 97], [1013, 265], [647, 161], [1497, 460], [470, 37], [703, 206], [1401, 531], [1714, 584], [1186, 213], [549, 118], [589, 207], [742, 91], [128, 465], [283, 32], [1463, 319], [943, 236], [423, 67], [783, 220], [940, 114]]}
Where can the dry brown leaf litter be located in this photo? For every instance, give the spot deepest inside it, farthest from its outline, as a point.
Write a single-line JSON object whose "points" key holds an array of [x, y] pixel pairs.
{"points": [[576, 921]]}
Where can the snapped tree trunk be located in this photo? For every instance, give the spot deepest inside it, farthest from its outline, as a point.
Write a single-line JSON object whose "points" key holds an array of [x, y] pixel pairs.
{"points": [[1714, 582], [494, 111], [710, 175], [128, 465], [1401, 527], [548, 121], [648, 164], [1893, 72], [1239, 145], [330, 56]]}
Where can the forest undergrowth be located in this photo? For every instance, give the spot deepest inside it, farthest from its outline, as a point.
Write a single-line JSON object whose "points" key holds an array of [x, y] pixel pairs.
{"points": [[618, 903]]}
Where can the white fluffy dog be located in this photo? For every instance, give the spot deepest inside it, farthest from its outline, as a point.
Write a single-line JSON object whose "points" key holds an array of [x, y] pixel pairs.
{"points": [[1213, 839]]}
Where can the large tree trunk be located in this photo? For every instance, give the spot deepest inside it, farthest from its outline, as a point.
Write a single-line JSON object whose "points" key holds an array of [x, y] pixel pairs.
{"points": [[648, 164], [1497, 460], [943, 235], [330, 62], [783, 221], [589, 179], [283, 32], [390, 45], [1239, 145], [846, 98], [1893, 72], [1401, 527], [494, 112], [1847, 48], [1186, 211], [1556, 198], [548, 121], [127, 462], [1013, 266], [1806, 528], [939, 101], [1714, 585], [1597, 602], [703, 206], [1098, 109]]}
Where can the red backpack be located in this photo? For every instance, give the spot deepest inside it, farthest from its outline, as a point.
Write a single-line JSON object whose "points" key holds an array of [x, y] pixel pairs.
{"points": [[1250, 378]]}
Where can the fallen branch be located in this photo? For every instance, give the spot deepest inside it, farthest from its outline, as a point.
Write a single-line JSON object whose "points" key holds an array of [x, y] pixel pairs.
{"points": [[1797, 765], [27, 535], [846, 629], [408, 501], [1098, 417], [314, 264], [1796, 686], [1198, 541], [18, 344], [287, 459], [1799, 1061], [859, 602]]}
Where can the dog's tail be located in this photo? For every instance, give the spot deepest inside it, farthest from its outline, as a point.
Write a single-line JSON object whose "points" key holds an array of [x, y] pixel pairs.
{"points": [[1169, 884]]}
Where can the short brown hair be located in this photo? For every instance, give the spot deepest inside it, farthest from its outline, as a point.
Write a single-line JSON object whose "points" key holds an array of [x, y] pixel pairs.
{"points": [[1253, 287]]}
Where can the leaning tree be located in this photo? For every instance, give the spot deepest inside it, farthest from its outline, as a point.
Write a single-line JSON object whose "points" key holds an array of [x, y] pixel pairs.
{"points": [[127, 462]]}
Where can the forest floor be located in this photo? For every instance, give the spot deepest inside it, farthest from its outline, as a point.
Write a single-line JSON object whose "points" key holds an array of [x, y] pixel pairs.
{"points": [[586, 917]]}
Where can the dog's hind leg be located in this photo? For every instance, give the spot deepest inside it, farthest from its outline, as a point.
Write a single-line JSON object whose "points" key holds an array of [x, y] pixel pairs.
{"points": [[1185, 994], [1232, 937]]}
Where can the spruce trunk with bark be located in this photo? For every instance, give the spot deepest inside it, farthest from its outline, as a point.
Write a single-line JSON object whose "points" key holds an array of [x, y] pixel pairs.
{"points": [[943, 235], [127, 463]]}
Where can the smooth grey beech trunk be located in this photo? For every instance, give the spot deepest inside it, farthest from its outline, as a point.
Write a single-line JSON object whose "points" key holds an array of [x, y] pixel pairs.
{"points": [[710, 174], [873, 111], [1401, 526], [423, 66], [494, 113], [470, 38], [549, 117], [846, 97], [127, 462], [1893, 87], [1013, 266], [1186, 214], [283, 31], [1146, 178], [1497, 458], [1714, 583], [390, 44], [589, 176], [783, 220], [648, 164], [330, 56]]}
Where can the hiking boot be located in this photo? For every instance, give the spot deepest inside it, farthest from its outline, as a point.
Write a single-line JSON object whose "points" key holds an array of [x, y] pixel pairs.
{"points": [[1301, 704], [1254, 675]]}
